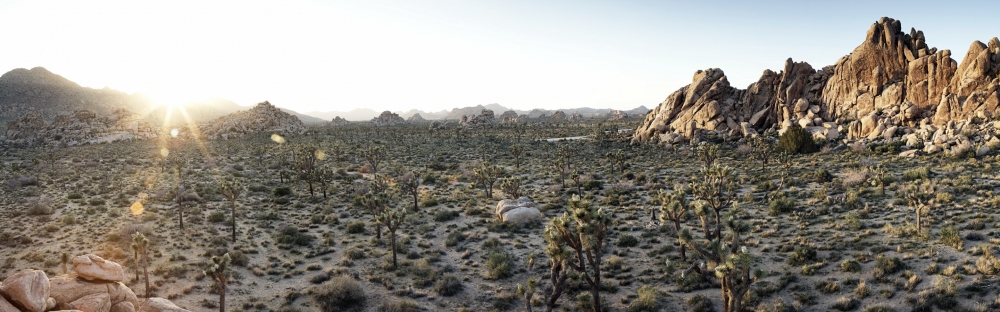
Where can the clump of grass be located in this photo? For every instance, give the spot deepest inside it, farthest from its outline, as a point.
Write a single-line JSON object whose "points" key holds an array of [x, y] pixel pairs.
{"points": [[499, 264], [340, 293], [700, 303], [916, 174], [648, 300], [356, 228], [846, 304], [850, 266]]}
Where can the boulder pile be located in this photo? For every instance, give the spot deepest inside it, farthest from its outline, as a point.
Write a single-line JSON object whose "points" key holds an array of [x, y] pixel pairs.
{"points": [[508, 117], [79, 127], [890, 87], [483, 120], [262, 118], [387, 119], [520, 211], [94, 285], [338, 121]]}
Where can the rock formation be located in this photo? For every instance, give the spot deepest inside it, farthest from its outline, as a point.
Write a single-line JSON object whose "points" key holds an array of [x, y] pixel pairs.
{"points": [[337, 121], [264, 117], [415, 118], [386, 119], [575, 117], [508, 117], [890, 85], [520, 211], [483, 120], [80, 127], [33, 291], [558, 115], [616, 115]]}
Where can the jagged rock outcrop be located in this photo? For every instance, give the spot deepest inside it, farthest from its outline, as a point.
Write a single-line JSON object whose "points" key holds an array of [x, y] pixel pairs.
{"points": [[889, 85], [79, 127], [483, 120], [264, 117], [616, 115], [558, 115], [337, 121], [415, 118], [386, 119], [508, 117], [575, 117]]}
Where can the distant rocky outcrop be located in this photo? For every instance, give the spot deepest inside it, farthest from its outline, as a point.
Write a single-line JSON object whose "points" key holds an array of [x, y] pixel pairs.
{"points": [[262, 118], [337, 121], [485, 119], [458, 113], [415, 118], [892, 84], [386, 119], [558, 115], [575, 117], [80, 127], [508, 117], [33, 291], [616, 115]]}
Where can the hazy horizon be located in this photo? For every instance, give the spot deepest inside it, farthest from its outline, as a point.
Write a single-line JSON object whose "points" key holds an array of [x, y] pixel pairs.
{"points": [[439, 55]]}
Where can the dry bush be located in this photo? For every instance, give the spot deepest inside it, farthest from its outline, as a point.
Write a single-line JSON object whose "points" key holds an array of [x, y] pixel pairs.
{"points": [[854, 177], [23, 181]]}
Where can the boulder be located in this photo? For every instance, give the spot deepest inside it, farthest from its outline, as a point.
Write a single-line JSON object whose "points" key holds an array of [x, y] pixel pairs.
{"points": [[909, 153], [92, 267], [98, 302], [982, 151], [70, 287], [520, 211], [6, 306], [159, 305], [27, 289], [123, 307], [931, 149]]}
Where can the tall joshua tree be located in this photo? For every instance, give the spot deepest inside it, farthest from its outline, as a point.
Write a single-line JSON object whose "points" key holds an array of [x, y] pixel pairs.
{"points": [[517, 150], [306, 163], [409, 183], [374, 156], [231, 190], [673, 208], [486, 177], [140, 244], [392, 219], [617, 158], [511, 186], [219, 271], [558, 266], [583, 229]]}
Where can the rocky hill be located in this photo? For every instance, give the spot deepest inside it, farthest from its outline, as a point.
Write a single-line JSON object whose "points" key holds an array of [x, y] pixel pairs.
{"points": [[264, 117], [386, 119], [79, 127], [39, 91], [892, 80]]}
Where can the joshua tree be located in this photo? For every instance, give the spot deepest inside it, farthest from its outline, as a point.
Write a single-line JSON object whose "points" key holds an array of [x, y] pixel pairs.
{"points": [[878, 177], [305, 165], [708, 154], [219, 271], [762, 148], [409, 183], [558, 268], [715, 191], [617, 157], [392, 219], [374, 156], [324, 175], [527, 292], [486, 177], [64, 259], [231, 190], [140, 245], [785, 159], [517, 150], [584, 229], [673, 208], [559, 166], [917, 196], [376, 203], [180, 197], [511, 186]]}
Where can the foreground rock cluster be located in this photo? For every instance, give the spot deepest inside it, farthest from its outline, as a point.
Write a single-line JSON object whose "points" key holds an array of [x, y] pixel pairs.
{"points": [[891, 87], [94, 285], [264, 117], [79, 127]]}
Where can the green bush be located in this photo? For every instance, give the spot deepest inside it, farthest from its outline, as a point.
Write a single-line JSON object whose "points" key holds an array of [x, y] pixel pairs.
{"points": [[796, 140], [647, 300], [428, 201], [340, 293], [627, 240], [448, 286], [216, 217], [802, 255], [850, 266], [950, 237], [920, 173], [290, 235], [781, 206], [356, 228], [499, 264], [445, 215], [282, 191]]}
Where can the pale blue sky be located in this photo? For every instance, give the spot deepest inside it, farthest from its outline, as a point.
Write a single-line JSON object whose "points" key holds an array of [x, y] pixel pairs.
{"points": [[432, 55]]}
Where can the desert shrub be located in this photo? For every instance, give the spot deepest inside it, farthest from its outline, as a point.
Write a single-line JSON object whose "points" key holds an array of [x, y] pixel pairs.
{"points": [[888, 265], [850, 266], [700, 303], [216, 217], [454, 238], [802, 255], [950, 237], [96, 201], [846, 304], [282, 191], [281, 201], [74, 195], [429, 201], [647, 300], [340, 293], [23, 181], [499, 264], [402, 305], [828, 287], [766, 186], [445, 215], [356, 228], [449, 285], [796, 140], [781, 206], [38, 209], [822, 175], [627, 240], [290, 235], [919, 173], [592, 185]]}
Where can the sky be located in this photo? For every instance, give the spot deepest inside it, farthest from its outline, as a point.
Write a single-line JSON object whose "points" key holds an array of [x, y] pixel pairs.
{"points": [[440, 54]]}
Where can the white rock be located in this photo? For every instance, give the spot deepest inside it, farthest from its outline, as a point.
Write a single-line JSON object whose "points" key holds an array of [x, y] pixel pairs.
{"points": [[909, 153]]}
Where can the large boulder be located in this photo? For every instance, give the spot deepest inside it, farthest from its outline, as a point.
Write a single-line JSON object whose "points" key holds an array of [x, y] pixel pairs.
{"points": [[158, 305], [520, 211], [27, 289], [99, 302], [70, 287], [6, 306], [92, 267]]}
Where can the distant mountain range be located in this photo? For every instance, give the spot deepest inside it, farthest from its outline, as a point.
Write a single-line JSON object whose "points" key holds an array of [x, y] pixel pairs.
{"points": [[39, 91]]}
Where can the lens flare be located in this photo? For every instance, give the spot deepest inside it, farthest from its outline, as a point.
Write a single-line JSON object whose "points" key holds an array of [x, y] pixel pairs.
{"points": [[174, 132], [164, 152], [277, 138], [320, 155], [137, 209]]}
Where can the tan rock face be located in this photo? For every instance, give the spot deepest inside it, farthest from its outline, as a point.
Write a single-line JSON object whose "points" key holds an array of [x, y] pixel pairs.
{"points": [[69, 288], [338, 121], [890, 72], [262, 118], [159, 305], [508, 117], [27, 289], [93, 303], [485, 119], [6, 306], [91, 267]]}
